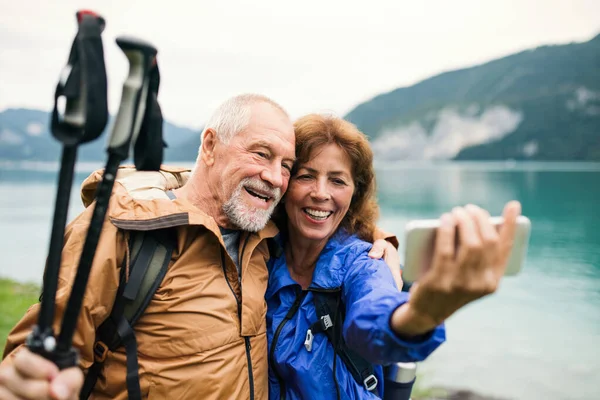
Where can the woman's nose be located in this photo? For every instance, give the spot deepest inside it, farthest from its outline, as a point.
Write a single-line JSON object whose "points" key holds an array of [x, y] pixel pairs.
{"points": [[320, 191]]}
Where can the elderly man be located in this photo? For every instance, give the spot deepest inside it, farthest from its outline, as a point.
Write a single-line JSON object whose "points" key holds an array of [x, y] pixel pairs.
{"points": [[204, 330]]}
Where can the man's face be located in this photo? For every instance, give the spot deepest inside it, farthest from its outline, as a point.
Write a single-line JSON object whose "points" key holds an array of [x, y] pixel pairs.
{"points": [[253, 169]]}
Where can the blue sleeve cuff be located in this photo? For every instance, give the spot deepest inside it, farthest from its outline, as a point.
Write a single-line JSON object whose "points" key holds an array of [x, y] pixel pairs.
{"points": [[414, 349], [385, 347]]}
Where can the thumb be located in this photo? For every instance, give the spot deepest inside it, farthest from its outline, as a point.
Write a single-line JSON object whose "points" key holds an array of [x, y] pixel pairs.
{"points": [[413, 288], [67, 384]]}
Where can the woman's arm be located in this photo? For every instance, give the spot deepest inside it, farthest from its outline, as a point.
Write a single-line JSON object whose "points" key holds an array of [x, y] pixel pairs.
{"points": [[371, 297]]}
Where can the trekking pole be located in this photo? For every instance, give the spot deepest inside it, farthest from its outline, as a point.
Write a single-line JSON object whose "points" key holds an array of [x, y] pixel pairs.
{"points": [[80, 114], [127, 127], [399, 381]]}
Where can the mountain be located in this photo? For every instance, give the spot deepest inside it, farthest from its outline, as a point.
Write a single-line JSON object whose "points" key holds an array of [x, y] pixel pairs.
{"points": [[25, 135], [539, 104]]}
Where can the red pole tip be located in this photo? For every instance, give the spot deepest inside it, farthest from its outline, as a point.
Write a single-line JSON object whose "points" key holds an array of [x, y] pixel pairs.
{"points": [[81, 13]]}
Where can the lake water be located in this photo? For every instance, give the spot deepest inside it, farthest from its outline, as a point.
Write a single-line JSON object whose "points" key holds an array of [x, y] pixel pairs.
{"points": [[538, 337]]}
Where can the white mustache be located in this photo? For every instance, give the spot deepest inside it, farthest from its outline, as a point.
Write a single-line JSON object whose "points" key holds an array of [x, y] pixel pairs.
{"points": [[262, 187]]}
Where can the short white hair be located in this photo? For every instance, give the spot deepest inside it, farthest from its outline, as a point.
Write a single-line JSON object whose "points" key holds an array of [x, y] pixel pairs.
{"points": [[233, 115]]}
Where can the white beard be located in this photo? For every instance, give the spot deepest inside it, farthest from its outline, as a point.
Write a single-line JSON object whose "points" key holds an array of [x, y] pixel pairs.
{"points": [[244, 216]]}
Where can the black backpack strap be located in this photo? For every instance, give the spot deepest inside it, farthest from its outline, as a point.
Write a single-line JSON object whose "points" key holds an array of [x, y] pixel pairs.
{"points": [[330, 322], [150, 257], [149, 146]]}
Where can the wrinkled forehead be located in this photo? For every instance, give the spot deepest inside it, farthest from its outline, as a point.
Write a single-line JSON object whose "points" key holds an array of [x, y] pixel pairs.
{"points": [[271, 127], [270, 116]]}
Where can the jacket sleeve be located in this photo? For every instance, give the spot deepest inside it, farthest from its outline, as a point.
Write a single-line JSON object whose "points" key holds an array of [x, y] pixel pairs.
{"points": [[100, 292], [371, 297]]}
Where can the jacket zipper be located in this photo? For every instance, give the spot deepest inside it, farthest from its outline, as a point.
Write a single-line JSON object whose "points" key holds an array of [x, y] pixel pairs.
{"points": [[299, 297], [239, 309], [246, 338]]}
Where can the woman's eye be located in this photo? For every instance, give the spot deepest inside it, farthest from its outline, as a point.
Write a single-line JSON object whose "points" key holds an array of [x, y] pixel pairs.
{"points": [[303, 177], [339, 182]]}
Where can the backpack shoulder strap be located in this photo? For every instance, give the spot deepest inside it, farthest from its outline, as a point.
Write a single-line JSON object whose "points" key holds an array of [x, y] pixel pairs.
{"points": [[330, 314], [150, 257]]}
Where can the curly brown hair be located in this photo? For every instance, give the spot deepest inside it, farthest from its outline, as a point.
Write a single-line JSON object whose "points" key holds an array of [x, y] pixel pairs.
{"points": [[314, 131]]}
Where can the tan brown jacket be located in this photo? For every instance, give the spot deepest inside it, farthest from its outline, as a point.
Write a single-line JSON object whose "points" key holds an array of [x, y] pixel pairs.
{"points": [[191, 339]]}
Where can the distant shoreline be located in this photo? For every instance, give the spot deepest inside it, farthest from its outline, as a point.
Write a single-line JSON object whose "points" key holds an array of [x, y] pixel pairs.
{"points": [[487, 165]]}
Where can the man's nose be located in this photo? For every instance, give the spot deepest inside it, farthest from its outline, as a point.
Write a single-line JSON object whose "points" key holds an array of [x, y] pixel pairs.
{"points": [[273, 175]]}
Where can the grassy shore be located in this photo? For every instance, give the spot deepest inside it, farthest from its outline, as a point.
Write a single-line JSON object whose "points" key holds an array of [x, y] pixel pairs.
{"points": [[15, 298]]}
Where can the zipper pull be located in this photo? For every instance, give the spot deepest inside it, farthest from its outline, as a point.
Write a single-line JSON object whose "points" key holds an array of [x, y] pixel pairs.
{"points": [[308, 341]]}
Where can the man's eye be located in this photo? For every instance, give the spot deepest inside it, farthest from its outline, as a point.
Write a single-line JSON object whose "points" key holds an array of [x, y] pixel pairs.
{"points": [[288, 167], [262, 155]]}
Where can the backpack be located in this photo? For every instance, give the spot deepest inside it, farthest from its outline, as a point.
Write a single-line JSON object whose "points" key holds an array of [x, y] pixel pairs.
{"points": [[330, 314], [150, 253]]}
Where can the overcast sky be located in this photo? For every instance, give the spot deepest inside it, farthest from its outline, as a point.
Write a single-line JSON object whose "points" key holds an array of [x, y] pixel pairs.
{"points": [[309, 55]]}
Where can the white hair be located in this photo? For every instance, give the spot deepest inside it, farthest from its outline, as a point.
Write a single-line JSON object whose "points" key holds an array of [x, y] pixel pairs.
{"points": [[233, 115]]}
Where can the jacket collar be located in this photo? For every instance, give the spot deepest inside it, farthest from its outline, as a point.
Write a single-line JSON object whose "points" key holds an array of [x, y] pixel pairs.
{"points": [[139, 201], [330, 269]]}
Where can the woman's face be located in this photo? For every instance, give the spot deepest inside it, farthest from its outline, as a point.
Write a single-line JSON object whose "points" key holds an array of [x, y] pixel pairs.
{"points": [[319, 194]]}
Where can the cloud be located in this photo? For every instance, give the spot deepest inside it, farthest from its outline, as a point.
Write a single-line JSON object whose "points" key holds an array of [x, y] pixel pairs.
{"points": [[34, 129], [310, 55], [10, 138], [452, 132]]}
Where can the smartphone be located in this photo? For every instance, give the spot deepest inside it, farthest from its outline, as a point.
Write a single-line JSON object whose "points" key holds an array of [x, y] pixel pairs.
{"points": [[419, 241]]}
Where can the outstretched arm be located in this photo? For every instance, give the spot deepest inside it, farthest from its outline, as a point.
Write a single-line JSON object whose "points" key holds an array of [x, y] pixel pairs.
{"points": [[459, 274], [371, 297]]}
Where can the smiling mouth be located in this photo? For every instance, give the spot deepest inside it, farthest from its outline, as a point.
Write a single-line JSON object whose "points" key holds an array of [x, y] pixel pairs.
{"points": [[317, 214], [263, 197]]}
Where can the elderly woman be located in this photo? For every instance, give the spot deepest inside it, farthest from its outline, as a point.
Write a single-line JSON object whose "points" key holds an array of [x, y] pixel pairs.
{"points": [[324, 275]]}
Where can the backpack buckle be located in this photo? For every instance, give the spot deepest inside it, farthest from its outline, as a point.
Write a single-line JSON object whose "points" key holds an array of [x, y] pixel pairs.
{"points": [[100, 351], [370, 382], [308, 341], [326, 322]]}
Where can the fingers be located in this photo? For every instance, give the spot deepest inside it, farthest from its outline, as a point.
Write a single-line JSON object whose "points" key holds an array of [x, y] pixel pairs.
{"points": [[470, 248], [31, 376], [444, 242], [5, 394], [487, 231], [508, 229], [33, 366], [15, 386], [378, 249], [67, 384]]}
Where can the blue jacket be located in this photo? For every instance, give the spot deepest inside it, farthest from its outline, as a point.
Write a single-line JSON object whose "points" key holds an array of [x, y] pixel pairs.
{"points": [[369, 295]]}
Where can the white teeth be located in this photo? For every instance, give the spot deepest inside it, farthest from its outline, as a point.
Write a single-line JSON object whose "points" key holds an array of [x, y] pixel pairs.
{"points": [[317, 214], [263, 198]]}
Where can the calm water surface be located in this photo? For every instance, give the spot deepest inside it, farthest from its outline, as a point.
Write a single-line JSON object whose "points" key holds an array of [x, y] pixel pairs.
{"points": [[537, 338]]}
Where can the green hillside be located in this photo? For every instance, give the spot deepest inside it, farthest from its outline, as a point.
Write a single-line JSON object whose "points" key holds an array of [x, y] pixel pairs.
{"points": [[25, 135], [539, 104]]}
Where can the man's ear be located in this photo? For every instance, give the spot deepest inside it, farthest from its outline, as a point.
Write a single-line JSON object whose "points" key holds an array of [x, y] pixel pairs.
{"points": [[207, 148]]}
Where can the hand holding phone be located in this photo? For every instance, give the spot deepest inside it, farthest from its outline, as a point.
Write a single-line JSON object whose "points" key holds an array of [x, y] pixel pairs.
{"points": [[465, 262], [419, 240]]}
